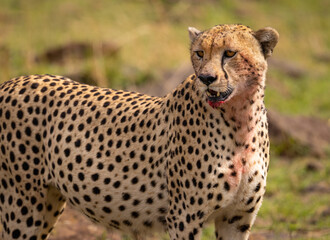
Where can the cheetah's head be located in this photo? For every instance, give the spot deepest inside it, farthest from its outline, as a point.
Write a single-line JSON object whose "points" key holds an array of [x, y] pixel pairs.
{"points": [[230, 60]]}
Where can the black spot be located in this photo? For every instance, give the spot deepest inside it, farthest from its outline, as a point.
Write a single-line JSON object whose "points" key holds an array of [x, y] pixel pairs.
{"points": [[135, 214], [251, 210], [244, 228], [210, 196], [22, 148], [106, 210], [22, 91], [29, 222], [96, 190], [219, 197], [181, 226], [67, 152], [234, 219], [89, 162], [16, 234], [107, 198], [88, 147], [81, 176], [226, 186], [249, 201], [116, 184], [126, 196], [257, 188], [87, 198], [34, 85], [191, 236], [95, 177], [147, 223], [134, 180], [20, 114], [190, 149]]}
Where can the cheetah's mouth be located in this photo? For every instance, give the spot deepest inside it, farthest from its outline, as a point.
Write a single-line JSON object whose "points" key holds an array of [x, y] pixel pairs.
{"points": [[215, 98]]}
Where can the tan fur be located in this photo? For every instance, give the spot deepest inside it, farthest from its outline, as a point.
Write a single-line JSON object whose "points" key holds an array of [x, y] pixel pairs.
{"points": [[139, 163]]}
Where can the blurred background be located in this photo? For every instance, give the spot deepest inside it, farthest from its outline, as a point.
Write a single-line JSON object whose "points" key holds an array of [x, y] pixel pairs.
{"points": [[144, 46]]}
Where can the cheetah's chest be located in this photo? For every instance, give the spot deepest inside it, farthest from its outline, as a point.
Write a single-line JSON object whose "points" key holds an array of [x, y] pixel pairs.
{"points": [[246, 178]]}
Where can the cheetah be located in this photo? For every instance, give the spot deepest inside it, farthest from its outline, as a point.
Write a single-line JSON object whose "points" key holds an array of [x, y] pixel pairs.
{"points": [[138, 163]]}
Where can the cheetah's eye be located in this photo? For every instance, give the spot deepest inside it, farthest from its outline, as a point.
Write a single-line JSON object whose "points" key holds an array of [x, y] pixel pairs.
{"points": [[229, 53], [200, 54]]}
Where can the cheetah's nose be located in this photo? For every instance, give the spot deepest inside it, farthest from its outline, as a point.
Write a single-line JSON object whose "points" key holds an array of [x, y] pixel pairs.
{"points": [[207, 79]]}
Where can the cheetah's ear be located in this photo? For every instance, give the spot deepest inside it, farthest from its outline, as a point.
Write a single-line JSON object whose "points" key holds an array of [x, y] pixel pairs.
{"points": [[193, 32], [268, 38]]}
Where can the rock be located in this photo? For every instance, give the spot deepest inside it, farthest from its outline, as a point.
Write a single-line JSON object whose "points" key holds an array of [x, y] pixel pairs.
{"points": [[268, 235], [319, 188], [83, 77], [323, 57], [167, 84], [76, 50], [289, 68], [314, 166], [307, 134], [326, 212]]}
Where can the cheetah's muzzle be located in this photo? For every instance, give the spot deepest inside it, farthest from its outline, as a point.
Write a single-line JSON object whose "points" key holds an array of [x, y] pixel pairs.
{"points": [[215, 98]]}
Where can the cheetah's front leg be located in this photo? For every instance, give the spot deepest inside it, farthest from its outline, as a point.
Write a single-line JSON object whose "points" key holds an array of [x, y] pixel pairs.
{"points": [[236, 225], [188, 227]]}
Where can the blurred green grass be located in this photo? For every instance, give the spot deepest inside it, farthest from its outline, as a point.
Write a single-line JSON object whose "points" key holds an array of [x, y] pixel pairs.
{"points": [[153, 39], [295, 199]]}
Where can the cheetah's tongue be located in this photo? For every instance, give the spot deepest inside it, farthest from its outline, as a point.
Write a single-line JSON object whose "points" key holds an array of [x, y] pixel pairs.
{"points": [[215, 99], [215, 104]]}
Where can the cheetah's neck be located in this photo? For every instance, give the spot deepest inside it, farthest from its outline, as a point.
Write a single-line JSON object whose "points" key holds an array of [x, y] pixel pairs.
{"points": [[242, 115], [246, 114]]}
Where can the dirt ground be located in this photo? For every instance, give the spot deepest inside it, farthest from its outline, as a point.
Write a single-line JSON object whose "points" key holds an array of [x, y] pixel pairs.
{"points": [[74, 226]]}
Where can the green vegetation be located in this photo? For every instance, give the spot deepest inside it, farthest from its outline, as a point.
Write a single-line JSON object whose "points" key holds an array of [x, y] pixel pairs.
{"points": [[297, 198], [152, 39]]}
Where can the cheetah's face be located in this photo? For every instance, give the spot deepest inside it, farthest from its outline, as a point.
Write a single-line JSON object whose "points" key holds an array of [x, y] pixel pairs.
{"points": [[230, 60]]}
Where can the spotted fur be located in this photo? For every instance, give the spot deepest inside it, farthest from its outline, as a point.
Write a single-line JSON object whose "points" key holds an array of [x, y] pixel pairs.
{"points": [[139, 163]]}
